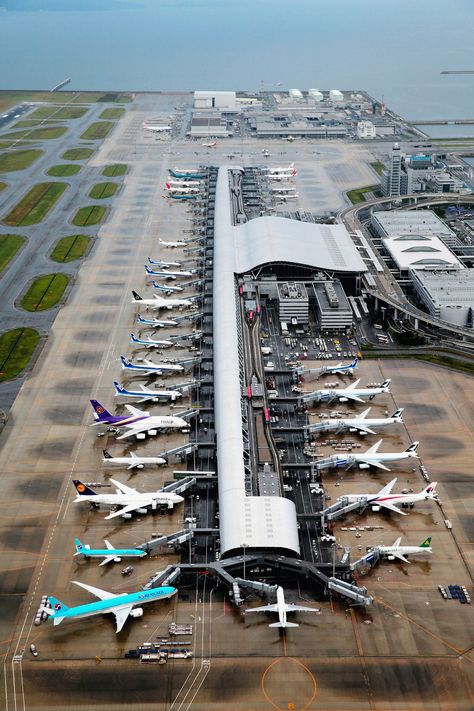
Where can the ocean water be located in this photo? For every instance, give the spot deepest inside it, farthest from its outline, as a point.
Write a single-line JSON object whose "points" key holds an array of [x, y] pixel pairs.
{"points": [[391, 48]]}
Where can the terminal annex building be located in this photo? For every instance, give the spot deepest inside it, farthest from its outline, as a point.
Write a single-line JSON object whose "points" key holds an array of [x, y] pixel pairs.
{"points": [[248, 519]]}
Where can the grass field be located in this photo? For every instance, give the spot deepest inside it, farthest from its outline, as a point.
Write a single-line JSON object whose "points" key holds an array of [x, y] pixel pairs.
{"points": [[112, 114], [45, 292], [97, 130], [2, 186], [63, 170], [38, 134], [9, 246], [358, 194], [37, 202], [115, 170], [103, 190], [66, 112], [90, 215], [18, 160], [447, 361], [68, 249], [26, 123], [378, 166], [16, 349], [78, 153]]}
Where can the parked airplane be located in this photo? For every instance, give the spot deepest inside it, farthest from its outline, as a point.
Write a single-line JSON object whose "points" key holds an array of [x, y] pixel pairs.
{"points": [[282, 189], [182, 196], [146, 394], [156, 128], [173, 245], [371, 458], [211, 144], [150, 368], [156, 322], [109, 554], [121, 605], [186, 174], [361, 423], [162, 264], [128, 498], [168, 274], [167, 288], [138, 423], [182, 183], [132, 461], [351, 392], [287, 196], [289, 170], [182, 189], [385, 499], [150, 343], [282, 608], [157, 302], [400, 552], [341, 369]]}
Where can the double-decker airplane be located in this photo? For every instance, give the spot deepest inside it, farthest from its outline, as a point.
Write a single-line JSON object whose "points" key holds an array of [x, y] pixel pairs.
{"points": [[137, 423], [131, 500]]}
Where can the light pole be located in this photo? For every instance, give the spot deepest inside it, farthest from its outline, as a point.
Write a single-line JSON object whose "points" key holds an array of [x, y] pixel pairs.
{"points": [[244, 546]]}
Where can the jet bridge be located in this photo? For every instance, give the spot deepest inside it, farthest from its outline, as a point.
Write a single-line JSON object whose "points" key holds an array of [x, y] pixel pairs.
{"points": [[171, 540], [178, 487], [342, 507], [353, 592], [180, 452]]}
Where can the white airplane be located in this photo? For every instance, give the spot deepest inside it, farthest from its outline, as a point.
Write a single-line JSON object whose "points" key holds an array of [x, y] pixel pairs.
{"points": [[168, 274], [284, 190], [173, 245], [167, 288], [150, 368], [128, 498], [361, 424], [157, 302], [163, 265], [371, 458], [157, 322], [146, 394], [282, 608], [122, 605], [182, 183], [211, 144], [137, 423], [400, 552], [109, 553], [341, 369], [182, 189], [156, 128], [286, 196], [385, 499], [289, 170], [132, 461], [351, 392], [149, 342]]}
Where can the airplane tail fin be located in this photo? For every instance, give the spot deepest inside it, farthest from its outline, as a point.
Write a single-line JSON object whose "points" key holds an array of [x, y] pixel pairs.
{"points": [[413, 447], [287, 624], [133, 338], [136, 296], [386, 383], [354, 362], [100, 413], [124, 361], [56, 604], [83, 489], [397, 415], [106, 454], [430, 490], [118, 388], [79, 546], [57, 608], [140, 319], [147, 268], [426, 543]]}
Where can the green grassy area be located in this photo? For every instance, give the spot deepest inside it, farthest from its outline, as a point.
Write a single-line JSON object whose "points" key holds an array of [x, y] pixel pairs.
{"points": [[78, 153], [124, 99], [37, 202], [12, 98], [16, 349], [90, 215], [358, 194], [114, 171], [68, 249], [2, 186], [103, 190], [97, 130], [378, 166], [38, 134], [27, 123], [437, 359], [65, 112], [63, 170], [45, 292], [9, 246], [112, 114], [18, 160]]}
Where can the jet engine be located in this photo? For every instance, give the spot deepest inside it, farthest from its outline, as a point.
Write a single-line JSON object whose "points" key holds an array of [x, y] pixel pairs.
{"points": [[137, 612]]}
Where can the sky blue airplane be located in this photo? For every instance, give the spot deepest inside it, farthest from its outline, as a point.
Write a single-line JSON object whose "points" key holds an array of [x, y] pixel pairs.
{"points": [[109, 553], [121, 605]]}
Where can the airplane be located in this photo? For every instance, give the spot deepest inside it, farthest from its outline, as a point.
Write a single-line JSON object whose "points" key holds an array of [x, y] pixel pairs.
{"points": [[156, 322], [150, 343], [155, 128], [360, 424], [182, 183], [341, 369], [287, 196], [385, 499], [282, 189], [122, 605], [129, 499], [182, 189], [371, 458], [290, 170], [167, 288], [162, 264], [132, 461], [211, 144], [138, 423], [186, 174], [173, 245], [282, 608], [183, 196], [167, 274], [290, 139], [351, 392], [150, 368], [109, 554], [400, 552], [146, 394], [157, 302]]}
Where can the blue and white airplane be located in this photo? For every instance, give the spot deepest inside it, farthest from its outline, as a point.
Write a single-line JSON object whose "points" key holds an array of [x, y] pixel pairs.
{"points": [[167, 274], [167, 288], [109, 553], [163, 265], [146, 394], [157, 322], [122, 606], [342, 369], [150, 343], [151, 368]]}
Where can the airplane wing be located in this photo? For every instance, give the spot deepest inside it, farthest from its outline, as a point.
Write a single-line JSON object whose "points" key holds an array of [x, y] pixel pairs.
{"points": [[108, 545], [130, 508], [391, 507], [367, 430], [108, 559], [264, 608], [101, 594], [373, 463], [136, 428], [300, 608], [400, 557], [349, 395], [124, 488], [121, 616]]}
